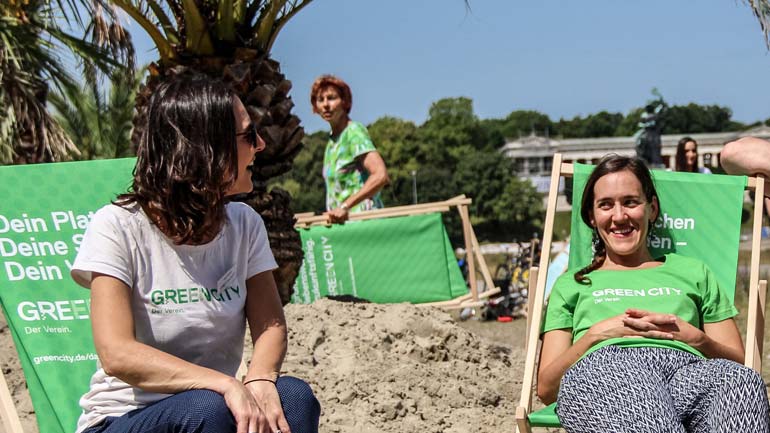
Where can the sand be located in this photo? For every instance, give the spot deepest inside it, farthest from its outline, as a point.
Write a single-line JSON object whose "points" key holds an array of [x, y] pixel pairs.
{"points": [[383, 368]]}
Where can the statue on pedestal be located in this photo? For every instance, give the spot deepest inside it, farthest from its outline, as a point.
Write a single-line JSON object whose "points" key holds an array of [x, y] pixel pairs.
{"points": [[650, 126]]}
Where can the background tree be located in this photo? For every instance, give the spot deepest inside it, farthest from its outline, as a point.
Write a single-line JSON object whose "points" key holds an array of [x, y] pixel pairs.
{"points": [[33, 33], [98, 121], [305, 181], [231, 40], [630, 123], [601, 124], [520, 123], [693, 118], [396, 140]]}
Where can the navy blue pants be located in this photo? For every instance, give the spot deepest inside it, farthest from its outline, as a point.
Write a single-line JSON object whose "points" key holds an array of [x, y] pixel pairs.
{"points": [[205, 411]]}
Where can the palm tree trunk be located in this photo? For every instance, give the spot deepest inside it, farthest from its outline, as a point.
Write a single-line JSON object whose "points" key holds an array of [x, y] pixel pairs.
{"points": [[264, 91]]}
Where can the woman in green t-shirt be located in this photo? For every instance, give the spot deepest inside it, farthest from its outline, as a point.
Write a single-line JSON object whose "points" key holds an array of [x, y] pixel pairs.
{"points": [[353, 170], [643, 344]]}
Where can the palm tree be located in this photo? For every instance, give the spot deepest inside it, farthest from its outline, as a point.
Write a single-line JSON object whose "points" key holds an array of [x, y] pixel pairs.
{"points": [[31, 35], [231, 39], [761, 9], [99, 122]]}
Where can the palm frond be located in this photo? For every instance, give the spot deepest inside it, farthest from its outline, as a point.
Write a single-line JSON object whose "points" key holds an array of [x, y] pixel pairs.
{"points": [[197, 37], [761, 9], [164, 22], [99, 121], [289, 10], [29, 64], [143, 19]]}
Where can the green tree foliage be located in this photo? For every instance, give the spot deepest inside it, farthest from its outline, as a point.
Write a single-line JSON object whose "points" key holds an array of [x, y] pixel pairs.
{"points": [[630, 123], [693, 118], [396, 140], [99, 121], [305, 181], [601, 124], [488, 178], [34, 35], [523, 122]]}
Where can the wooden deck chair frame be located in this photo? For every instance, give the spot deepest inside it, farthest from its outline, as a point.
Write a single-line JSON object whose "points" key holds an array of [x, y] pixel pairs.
{"points": [[473, 251], [757, 293]]}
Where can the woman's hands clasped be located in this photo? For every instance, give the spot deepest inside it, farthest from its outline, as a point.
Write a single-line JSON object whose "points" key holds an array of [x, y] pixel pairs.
{"points": [[256, 407], [664, 326], [641, 323]]}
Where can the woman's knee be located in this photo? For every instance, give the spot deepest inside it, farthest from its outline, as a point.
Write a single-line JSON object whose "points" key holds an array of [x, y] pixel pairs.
{"points": [[206, 408], [296, 395], [740, 377]]}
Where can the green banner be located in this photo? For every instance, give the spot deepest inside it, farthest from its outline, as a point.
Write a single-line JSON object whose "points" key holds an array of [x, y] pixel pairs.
{"points": [[403, 259], [44, 210], [700, 217]]}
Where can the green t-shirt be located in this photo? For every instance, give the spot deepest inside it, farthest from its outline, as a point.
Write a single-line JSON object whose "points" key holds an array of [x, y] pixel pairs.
{"points": [[343, 174], [682, 286]]}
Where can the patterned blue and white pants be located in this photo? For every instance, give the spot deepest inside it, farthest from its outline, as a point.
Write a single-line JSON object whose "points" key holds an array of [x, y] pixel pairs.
{"points": [[647, 389]]}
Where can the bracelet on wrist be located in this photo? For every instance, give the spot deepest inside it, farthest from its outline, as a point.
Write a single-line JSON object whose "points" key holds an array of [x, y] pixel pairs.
{"points": [[246, 382], [344, 206]]}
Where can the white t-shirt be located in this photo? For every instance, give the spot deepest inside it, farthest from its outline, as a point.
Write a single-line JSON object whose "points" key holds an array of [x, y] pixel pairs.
{"points": [[186, 300]]}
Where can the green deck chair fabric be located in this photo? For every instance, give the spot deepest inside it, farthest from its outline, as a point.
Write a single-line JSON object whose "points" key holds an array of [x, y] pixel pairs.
{"points": [[44, 209], [700, 217]]}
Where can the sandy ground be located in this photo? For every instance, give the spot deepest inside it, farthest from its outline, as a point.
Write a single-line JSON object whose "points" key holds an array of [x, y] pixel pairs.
{"points": [[384, 368]]}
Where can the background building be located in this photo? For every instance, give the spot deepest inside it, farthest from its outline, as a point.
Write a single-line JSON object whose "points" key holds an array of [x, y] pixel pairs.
{"points": [[533, 154]]}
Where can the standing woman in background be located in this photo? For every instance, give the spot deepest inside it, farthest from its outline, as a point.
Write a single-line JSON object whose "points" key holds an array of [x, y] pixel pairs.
{"points": [[687, 157], [353, 170]]}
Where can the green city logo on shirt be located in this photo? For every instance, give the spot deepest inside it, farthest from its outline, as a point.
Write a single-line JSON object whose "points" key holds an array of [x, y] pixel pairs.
{"points": [[194, 294], [614, 295]]}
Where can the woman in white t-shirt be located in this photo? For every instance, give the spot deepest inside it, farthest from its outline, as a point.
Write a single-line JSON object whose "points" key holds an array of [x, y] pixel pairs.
{"points": [[176, 271]]}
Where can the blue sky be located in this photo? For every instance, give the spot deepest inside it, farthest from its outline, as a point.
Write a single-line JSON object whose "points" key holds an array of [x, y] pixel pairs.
{"points": [[563, 58]]}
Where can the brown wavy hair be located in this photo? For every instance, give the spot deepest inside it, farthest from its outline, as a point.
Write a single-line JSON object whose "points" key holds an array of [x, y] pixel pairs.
{"points": [[187, 158], [611, 163], [330, 80]]}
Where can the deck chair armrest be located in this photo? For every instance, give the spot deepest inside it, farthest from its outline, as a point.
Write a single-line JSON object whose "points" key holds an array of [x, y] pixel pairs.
{"points": [[755, 332], [522, 420]]}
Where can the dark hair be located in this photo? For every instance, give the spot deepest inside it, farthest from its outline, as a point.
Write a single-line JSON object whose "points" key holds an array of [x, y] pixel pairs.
{"points": [[609, 164], [330, 80], [187, 158], [680, 162]]}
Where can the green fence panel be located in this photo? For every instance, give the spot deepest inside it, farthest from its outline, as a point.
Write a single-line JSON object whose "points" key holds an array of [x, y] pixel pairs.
{"points": [[401, 259], [44, 210], [700, 217]]}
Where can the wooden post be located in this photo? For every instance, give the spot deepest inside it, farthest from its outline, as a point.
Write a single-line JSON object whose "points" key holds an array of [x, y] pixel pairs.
{"points": [[522, 422], [482, 263], [762, 295], [753, 358], [525, 403], [531, 287], [8, 412], [469, 259]]}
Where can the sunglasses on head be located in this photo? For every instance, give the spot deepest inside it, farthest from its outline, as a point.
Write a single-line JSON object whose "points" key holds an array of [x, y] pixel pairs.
{"points": [[251, 135]]}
